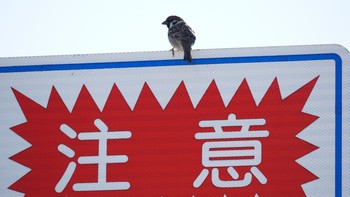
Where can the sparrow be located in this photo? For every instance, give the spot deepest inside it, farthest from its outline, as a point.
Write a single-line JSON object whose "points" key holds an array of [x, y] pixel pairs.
{"points": [[180, 36]]}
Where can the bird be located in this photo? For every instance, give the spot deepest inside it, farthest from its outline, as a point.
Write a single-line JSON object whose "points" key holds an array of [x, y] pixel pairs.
{"points": [[180, 36]]}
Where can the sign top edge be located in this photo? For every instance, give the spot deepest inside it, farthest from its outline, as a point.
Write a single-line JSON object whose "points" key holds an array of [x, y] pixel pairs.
{"points": [[166, 55]]}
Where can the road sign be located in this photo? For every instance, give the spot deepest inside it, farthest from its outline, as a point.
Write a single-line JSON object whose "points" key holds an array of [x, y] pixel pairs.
{"points": [[271, 121]]}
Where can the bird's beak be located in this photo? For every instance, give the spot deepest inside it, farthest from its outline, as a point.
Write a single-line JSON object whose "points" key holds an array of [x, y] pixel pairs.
{"points": [[165, 23]]}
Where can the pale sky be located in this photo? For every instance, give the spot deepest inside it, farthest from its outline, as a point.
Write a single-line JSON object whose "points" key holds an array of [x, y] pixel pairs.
{"points": [[42, 27]]}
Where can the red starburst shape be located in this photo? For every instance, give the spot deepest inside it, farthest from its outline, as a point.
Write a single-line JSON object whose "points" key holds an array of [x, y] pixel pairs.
{"points": [[150, 151]]}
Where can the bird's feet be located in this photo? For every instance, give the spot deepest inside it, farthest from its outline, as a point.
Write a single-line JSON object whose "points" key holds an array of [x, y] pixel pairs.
{"points": [[172, 51]]}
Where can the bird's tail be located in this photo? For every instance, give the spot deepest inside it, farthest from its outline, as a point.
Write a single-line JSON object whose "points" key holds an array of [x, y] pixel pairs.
{"points": [[187, 54]]}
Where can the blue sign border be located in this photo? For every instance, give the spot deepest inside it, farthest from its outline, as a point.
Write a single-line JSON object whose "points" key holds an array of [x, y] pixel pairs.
{"points": [[223, 60]]}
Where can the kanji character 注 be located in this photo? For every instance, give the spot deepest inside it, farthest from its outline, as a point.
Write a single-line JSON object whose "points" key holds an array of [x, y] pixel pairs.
{"points": [[102, 159]]}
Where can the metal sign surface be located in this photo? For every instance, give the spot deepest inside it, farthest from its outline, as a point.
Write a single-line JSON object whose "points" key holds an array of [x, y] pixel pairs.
{"points": [[271, 121]]}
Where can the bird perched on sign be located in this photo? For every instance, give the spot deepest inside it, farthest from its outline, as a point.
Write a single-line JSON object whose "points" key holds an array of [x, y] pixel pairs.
{"points": [[180, 35]]}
